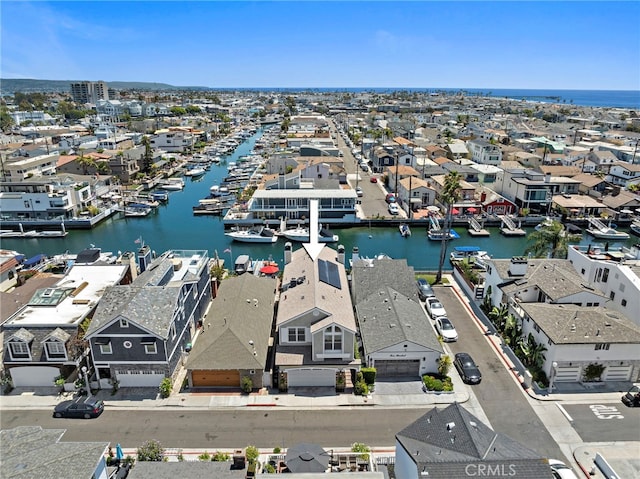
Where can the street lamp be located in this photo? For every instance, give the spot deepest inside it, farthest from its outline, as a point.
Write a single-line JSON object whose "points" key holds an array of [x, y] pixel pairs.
{"points": [[86, 381], [552, 376]]}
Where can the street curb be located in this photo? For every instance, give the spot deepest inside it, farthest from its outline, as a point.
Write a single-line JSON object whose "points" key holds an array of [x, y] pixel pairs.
{"points": [[582, 468]]}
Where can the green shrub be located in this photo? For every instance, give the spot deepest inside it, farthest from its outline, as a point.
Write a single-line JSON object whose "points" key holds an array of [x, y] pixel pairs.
{"points": [[269, 469], [435, 384], [360, 388], [220, 457], [252, 454], [369, 375], [151, 450], [444, 364], [246, 384], [165, 387], [59, 381], [277, 450], [363, 448], [204, 456]]}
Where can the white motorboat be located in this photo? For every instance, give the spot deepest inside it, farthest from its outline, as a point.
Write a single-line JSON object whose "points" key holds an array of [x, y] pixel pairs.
{"points": [[195, 172], [136, 211], [258, 234], [405, 231], [635, 227], [301, 233], [172, 184], [599, 230], [461, 253]]}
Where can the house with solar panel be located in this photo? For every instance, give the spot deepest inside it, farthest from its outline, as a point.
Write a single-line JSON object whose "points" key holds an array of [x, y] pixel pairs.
{"points": [[315, 322]]}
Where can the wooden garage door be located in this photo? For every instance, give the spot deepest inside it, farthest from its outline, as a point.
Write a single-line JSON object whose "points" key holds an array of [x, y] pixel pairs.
{"points": [[211, 378], [397, 368]]}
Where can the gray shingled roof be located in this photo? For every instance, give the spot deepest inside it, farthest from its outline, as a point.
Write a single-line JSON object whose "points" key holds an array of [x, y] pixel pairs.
{"points": [[387, 317], [30, 451], [150, 307], [242, 312], [173, 470], [570, 324], [444, 441], [367, 276]]}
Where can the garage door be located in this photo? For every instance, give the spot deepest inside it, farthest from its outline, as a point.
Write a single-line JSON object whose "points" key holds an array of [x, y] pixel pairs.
{"points": [[307, 377], [34, 376], [139, 379], [617, 373], [389, 368], [212, 378], [568, 374]]}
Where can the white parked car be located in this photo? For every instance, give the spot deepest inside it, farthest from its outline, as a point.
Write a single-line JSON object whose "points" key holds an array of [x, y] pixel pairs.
{"points": [[393, 209], [446, 329], [359, 192], [434, 307], [560, 470]]}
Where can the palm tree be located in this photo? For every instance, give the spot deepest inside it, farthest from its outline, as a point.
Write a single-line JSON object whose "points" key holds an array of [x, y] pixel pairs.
{"points": [[85, 162], [512, 330], [551, 240], [498, 316], [147, 158], [450, 194]]}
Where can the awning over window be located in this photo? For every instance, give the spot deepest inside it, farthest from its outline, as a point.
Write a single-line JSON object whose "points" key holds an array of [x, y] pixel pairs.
{"points": [[148, 340], [103, 340]]}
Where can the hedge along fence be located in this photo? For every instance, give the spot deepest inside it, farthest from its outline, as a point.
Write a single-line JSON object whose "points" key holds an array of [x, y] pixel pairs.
{"points": [[369, 375]]}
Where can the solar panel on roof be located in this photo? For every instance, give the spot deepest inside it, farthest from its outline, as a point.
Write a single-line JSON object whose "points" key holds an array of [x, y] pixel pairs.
{"points": [[328, 273]]}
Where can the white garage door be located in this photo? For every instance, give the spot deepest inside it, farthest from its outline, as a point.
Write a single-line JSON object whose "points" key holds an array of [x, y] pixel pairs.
{"points": [[307, 377], [568, 374], [617, 373], [34, 376], [139, 379]]}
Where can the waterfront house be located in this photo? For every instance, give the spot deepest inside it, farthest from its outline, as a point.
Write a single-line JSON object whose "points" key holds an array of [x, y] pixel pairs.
{"points": [[452, 442], [21, 168], [531, 189], [395, 174], [43, 339], [623, 174], [140, 332], [31, 451], [395, 333], [569, 318], [173, 140], [315, 323], [235, 336], [590, 184], [9, 266], [415, 193]]}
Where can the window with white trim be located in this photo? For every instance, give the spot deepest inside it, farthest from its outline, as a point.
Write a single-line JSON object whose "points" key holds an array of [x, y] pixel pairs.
{"points": [[151, 348], [173, 331], [124, 323], [106, 348], [333, 338], [56, 350], [19, 350], [296, 335]]}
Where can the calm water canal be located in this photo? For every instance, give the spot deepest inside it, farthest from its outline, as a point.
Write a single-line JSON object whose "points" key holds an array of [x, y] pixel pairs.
{"points": [[173, 226]]}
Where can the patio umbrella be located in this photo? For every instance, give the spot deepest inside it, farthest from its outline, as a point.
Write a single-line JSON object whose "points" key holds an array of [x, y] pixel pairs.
{"points": [[626, 211], [433, 208], [305, 457], [269, 269], [119, 453], [472, 210], [455, 211]]}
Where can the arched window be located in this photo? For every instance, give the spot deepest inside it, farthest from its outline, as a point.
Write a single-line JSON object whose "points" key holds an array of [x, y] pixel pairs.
{"points": [[333, 338]]}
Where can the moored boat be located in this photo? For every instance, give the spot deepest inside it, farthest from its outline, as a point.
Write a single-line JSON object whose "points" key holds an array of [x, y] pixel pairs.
{"points": [[635, 227], [258, 234], [599, 230], [405, 231], [301, 233]]}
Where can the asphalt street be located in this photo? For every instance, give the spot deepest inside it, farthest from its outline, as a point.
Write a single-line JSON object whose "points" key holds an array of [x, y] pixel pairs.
{"points": [[228, 429], [500, 396], [605, 422]]}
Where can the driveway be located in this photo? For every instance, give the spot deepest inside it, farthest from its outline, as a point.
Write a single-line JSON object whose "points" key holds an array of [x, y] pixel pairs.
{"points": [[398, 386], [501, 398]]}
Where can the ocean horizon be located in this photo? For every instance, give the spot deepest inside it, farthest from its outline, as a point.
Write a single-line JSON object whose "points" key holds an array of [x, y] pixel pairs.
{"points": [[595, 98]]}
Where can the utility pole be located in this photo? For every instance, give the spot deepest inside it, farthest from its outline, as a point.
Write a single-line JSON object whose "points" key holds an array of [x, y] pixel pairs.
{"points": [[397, 159]]}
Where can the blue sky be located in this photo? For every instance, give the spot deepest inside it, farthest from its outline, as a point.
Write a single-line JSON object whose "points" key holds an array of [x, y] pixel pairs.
{"points": [[552, 45]]}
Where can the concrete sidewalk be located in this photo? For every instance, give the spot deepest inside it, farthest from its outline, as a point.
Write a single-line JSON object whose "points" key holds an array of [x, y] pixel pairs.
{"points": [[621, 456]]}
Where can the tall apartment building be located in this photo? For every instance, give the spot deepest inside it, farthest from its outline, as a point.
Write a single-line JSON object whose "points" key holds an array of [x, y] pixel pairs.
{"points": [[89, 92]]}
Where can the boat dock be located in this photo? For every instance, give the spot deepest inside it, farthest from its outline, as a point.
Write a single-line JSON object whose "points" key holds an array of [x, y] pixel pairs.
{"points": [[509, 228], [476, 229], [33, 233]]}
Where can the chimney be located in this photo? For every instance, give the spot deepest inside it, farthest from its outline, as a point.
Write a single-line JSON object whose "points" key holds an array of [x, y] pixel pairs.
{"points": [[547, 177], [355, 254], [287, 252], [518, 266], [341, 254]]}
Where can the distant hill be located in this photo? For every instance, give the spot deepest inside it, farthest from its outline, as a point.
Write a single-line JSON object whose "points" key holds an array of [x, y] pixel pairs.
{"points": [[25, 85]]}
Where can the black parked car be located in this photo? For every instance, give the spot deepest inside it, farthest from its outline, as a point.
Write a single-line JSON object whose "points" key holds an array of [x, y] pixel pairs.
{"points": [[632, 397], [424, 289], [82, 407], [467, 368]]}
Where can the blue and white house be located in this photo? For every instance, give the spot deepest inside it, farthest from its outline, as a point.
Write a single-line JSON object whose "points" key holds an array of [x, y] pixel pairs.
{"points": [[141, 331]]}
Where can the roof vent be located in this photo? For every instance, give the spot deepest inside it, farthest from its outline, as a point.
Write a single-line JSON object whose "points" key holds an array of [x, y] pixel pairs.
{"points": [[450, 426]]}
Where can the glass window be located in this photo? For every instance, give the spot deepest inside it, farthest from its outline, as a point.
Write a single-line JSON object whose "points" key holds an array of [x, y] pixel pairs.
{"points": [[106, 349], [56, 350], [150, 348], [333, 339], [296, 335], [19, 350]]}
